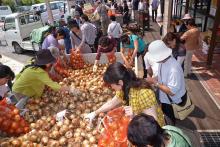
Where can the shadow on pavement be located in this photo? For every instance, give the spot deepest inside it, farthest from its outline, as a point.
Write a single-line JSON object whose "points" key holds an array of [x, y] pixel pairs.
{"points": [[198, 113]]}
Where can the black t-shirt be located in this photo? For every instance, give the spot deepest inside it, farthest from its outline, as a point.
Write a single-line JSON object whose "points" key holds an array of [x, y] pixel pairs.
{"points": [[135, 4], [79, 9]]}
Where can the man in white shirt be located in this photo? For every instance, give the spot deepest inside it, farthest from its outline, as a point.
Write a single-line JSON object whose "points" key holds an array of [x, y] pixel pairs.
{"points": [[170, 81], [115, 31], [88, 32], [151, 66]]}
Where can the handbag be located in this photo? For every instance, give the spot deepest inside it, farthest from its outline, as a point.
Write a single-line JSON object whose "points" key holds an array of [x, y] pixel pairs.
{"points": [[182, 111]]}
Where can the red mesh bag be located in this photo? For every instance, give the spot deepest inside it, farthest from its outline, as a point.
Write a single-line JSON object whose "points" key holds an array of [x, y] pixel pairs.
{"points": [[60, 69], [111, 58], [76, 60], [10, 120], [115, 129]]}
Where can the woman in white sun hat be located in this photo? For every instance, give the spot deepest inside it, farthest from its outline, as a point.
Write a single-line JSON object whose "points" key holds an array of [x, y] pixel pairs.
{"points": [[170, 81]]}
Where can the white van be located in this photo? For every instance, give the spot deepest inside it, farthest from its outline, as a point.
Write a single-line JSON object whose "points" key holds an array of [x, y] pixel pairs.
{"points": [[4, 10], [56, 7], [16, 31]]}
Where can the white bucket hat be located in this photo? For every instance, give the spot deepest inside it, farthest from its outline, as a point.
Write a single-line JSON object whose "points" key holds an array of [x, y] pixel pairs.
{"points": [[186, 16], [158, 51]]}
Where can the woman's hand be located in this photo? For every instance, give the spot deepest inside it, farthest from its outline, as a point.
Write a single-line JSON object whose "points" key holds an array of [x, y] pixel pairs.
{"points": [[95, 67]]}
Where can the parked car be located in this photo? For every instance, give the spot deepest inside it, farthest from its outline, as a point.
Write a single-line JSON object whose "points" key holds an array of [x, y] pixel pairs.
{"points": [[17, 29], [23, 8], [56, 7], [4, 11]]}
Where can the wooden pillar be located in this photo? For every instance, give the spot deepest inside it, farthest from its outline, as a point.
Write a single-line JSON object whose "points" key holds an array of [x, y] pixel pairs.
{"points": [[187, 7], [49, 12], [167, 16], [214, 35]]}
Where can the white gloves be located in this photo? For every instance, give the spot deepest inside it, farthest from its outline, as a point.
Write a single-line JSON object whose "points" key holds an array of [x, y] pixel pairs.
{"points": [[128, 111], [90, 116], [95, 67]]}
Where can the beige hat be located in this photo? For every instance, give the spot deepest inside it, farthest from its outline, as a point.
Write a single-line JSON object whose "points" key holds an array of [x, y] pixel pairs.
{"points": [[187, 16]]}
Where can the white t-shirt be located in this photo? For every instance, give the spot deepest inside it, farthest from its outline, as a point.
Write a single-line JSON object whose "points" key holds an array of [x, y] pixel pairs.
{"points": [[114, 29], [154, 65]]}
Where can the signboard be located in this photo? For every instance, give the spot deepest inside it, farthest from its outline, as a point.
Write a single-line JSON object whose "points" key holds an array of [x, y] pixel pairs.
{"points": [[212, 11]]}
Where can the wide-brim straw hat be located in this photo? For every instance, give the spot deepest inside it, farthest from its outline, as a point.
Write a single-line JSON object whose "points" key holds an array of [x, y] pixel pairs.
{"points": [[44, 57], [158, 51]]}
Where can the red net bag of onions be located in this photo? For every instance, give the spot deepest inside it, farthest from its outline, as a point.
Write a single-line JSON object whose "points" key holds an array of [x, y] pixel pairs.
{"points": [[60, 69], [111, 58], [11, 122], [76, 60], [115, 129]]}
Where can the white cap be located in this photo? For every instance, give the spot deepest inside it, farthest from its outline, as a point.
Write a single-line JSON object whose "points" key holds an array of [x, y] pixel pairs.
{"points": [[158, 51]]}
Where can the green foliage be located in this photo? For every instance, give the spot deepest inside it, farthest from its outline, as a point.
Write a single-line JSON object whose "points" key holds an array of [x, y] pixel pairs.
{"points": [[10, 3], [29, 2]]}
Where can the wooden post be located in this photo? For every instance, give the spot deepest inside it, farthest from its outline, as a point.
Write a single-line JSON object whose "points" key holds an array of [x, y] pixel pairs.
{"points": [[214, 35], [49, 12], [207, 14], [167, 16]]}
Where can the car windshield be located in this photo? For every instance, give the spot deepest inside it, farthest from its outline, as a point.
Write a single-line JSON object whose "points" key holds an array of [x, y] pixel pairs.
{"points": [[3, 8]]}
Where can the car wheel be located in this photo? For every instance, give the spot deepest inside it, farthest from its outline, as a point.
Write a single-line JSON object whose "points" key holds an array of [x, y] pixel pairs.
{"points": [[17, 48]]}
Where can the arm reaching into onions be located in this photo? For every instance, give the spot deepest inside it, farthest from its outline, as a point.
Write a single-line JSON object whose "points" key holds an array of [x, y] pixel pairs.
{"points": [[108, 46], [135, 93]]}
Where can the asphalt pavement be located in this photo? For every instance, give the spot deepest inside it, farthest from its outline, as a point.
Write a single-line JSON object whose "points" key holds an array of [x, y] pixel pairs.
{"points": [[22, 58]]}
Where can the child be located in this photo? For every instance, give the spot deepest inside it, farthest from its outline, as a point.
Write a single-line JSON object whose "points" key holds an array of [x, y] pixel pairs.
{"points": [[206, 44]]}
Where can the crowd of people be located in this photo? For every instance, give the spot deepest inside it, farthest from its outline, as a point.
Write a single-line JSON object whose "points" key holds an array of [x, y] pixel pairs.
{"points": [[146, 100]]}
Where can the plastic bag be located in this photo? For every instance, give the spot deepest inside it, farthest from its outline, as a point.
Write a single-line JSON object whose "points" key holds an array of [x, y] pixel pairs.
{"points": [[115, 129], [76, 60], [11, 122]]}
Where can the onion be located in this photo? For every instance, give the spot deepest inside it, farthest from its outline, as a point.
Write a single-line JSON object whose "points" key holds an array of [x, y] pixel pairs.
{"points": [[53, 143], [66, 122], [92, 140], [69, 134], [44, 140], [55, 134], [5, 144], [33, 138], [85, 143], [62, 141]]}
